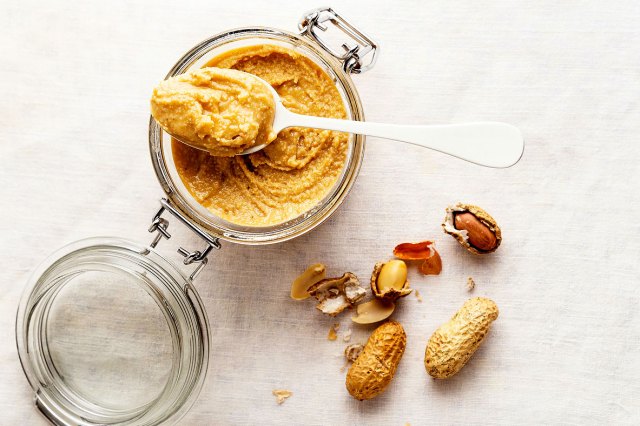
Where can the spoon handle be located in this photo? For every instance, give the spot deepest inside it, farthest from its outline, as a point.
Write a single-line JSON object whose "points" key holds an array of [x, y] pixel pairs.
{"points": [[490, 144]]}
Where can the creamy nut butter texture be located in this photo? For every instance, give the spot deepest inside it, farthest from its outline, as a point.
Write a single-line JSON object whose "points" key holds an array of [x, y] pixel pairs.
{"points": [[222, 111], [295, 171]]}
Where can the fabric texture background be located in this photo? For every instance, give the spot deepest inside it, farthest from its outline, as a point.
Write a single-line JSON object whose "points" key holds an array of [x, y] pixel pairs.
{"points": [[75, 82]]}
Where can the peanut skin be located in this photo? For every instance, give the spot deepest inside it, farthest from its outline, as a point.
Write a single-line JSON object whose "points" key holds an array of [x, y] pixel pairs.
{"points": [[453, 343], [372, 372]]}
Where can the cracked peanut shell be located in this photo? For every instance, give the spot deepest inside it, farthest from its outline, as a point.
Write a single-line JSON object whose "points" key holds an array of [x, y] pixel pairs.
{"points": [[334, 295], [389, 280], [452, 344], [473, 227], [373, 370]]}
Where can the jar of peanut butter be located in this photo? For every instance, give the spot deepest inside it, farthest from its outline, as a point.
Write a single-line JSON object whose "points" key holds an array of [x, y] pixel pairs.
{"points": [[110, 331], [301, 178]]}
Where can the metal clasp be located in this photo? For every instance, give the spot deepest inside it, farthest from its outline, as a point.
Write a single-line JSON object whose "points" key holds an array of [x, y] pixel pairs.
{"points": [[160, 225], [353, 54]]}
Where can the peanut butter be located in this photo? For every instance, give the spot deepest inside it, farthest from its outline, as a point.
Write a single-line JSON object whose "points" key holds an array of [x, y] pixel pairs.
{"points": [[295, 171], [222, 111]]}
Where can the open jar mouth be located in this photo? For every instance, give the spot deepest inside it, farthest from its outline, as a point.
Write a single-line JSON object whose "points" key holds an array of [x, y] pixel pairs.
{"points": [[110, 332], [162, 155]]}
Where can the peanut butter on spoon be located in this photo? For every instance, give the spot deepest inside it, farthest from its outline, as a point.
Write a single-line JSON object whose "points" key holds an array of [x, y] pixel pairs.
{"points": [[222, 111]]}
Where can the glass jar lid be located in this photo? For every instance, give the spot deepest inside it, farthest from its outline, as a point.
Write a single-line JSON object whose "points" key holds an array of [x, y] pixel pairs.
{"points": [[110, 332]]}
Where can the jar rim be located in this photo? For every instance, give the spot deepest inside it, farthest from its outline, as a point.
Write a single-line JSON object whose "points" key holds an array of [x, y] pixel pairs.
{"points": [[174, 296], [180, 197]]}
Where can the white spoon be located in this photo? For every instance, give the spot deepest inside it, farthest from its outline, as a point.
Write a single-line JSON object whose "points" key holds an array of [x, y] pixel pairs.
{"points": [[490, 144]]}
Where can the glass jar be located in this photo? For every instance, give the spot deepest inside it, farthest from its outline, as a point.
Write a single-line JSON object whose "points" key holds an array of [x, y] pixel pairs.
{"points": [[111, 332], [336, 64]]}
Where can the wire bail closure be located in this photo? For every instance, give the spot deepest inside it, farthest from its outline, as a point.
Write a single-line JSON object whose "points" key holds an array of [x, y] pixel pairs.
{"points": [[160, 225], [353, 54]]}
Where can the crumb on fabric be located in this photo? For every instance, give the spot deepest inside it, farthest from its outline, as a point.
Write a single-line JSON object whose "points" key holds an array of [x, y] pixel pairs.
{"points": [[471, 284], [332, 332], [281, 395]]}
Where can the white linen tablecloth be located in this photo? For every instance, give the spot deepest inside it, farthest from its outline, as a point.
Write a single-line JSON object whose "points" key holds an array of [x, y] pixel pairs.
{"points": [[74, 87]]}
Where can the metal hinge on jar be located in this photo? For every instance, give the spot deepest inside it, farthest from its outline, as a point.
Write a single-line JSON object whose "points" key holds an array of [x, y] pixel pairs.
{"points": [[160, 225], [358, 54]]}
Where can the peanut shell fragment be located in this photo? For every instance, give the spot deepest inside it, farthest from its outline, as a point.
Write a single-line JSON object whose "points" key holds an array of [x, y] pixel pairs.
{"points": [[373, 311], [334, 295], [300, 286], [471, 284], [281, 395], [352, 352]]}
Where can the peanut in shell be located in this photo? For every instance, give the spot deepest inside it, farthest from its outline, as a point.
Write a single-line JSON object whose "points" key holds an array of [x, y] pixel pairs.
{"points": [[453, 343], [389, 280], [373, 370], [473, 227]]}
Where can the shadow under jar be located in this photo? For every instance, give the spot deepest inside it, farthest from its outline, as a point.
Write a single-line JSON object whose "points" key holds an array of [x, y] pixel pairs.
{"points": [[111, 332]]}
